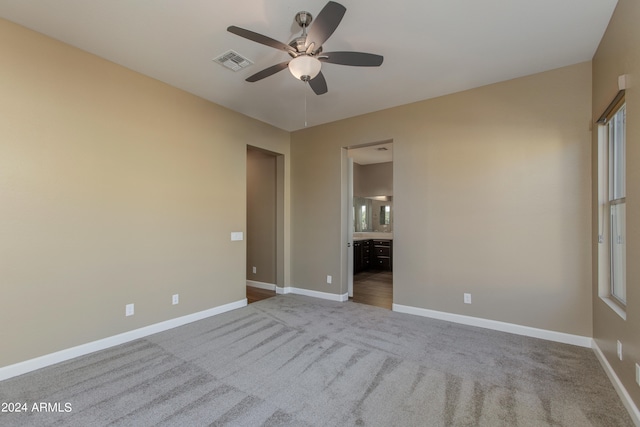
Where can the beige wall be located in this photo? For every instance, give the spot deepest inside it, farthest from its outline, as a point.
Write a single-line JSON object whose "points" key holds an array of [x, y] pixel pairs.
{"points": [[261, 216], [114, 189], [619, 54], [112, 186], [492, 196]]}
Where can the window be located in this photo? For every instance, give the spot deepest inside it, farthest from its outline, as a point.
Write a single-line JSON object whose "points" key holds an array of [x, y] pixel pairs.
{"points": [[362, 210], [612, 195], [363, 217], [617, 204], [385, 215]]}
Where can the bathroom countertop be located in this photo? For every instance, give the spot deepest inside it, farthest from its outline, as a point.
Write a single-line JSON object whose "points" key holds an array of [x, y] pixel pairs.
{"points": [[372, 235]]}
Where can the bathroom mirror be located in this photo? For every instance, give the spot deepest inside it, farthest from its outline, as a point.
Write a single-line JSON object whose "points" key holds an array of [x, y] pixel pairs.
{"points": [[385, 215], [371, 214], [362, 214]]}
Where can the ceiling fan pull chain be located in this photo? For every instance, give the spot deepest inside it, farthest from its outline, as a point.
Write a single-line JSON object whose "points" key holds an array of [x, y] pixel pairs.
{"points": [[305, 104]]}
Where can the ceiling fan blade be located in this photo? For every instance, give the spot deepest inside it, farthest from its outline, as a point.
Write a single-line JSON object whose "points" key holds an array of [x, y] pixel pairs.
{"points": [[259, 38], [318, 84], [356, 59], [325, 23], [268, 72]]}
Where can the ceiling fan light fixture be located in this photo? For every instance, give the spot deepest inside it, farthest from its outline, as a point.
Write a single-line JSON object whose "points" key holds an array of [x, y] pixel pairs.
{"points": [[306, 48], [305, 67]]}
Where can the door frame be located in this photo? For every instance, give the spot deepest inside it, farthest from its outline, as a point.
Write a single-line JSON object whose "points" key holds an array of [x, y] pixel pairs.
{"points": [[347, 223], [279, 224]]}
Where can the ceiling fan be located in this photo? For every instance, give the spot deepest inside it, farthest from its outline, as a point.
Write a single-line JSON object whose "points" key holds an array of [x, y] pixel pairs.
{"points": [[306, 50]]}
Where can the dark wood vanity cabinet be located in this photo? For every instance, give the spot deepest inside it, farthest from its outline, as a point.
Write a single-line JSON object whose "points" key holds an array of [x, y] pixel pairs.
{"points": [[383, 253], [357, 257], [361, 255], [372, 254], [366, 254]]}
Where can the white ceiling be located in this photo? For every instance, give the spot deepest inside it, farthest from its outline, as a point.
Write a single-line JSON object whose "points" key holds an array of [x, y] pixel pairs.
{"points": [[430, 48]]}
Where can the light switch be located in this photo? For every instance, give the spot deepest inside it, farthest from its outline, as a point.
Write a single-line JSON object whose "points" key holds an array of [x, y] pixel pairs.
{"points": [[619, 349], [237, 235]]}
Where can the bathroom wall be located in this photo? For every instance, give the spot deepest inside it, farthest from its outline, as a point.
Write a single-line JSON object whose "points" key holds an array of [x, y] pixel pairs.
{"points": [[373, 180]]}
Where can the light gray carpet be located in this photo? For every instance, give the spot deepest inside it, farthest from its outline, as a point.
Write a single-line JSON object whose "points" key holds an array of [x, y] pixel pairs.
{"points": [[299, 361]]}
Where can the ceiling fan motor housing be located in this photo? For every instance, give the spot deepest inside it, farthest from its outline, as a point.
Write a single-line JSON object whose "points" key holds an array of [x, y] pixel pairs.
{"points": [[299, 44]]}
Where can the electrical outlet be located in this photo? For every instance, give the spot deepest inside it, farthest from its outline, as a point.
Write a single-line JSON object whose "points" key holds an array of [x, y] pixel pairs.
{"points": [[467, 298], [175, 299], [619, 350], [254, 270], [329, 279], [128, 310], [638, 374]]}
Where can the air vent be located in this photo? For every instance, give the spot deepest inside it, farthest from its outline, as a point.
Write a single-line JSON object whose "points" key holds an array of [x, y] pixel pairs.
{"points": [[233, 60]]}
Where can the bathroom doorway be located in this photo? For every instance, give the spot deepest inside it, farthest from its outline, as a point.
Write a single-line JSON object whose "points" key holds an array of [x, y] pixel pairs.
{"points": [[370, 223]]}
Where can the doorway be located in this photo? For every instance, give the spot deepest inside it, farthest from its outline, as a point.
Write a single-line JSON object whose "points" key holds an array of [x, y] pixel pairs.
{"points": [[265, 223], [370, 223]]}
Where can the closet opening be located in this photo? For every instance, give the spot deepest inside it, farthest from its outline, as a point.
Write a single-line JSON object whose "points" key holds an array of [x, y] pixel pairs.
{"points": [[265, 224]]}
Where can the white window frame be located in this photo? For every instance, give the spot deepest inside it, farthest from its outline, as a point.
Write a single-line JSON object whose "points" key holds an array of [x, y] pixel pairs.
{"points": [[612, 206]]}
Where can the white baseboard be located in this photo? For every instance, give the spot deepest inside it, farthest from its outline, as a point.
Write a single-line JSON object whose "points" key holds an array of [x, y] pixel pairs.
{"points": [[496, 325], [617, 384], [261, 285], [315, 294], [80, 350]]}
